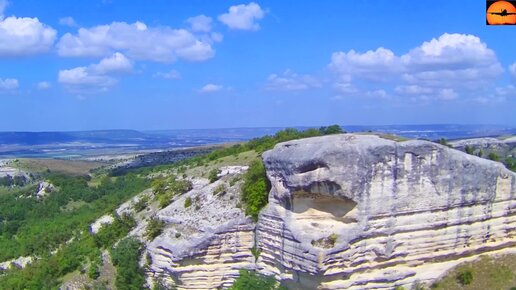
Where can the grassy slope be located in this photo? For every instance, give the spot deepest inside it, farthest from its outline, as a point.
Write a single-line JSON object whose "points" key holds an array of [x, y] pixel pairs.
{"points": [[244, 158], [71, 167], [489, 273]]}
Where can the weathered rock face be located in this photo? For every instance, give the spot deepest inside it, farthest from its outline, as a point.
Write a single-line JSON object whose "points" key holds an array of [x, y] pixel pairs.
{"points": [[361, 212], [204, 245]]}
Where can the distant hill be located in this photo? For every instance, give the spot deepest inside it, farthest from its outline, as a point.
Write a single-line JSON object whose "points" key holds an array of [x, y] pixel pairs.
{"points": [[74, 144]]}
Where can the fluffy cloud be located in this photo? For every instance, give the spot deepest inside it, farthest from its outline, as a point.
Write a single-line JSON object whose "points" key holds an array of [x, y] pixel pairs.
{"points": [[290, 81], [442, 68], [24, 36], [8, 84], [117, 63], [43, 85], [451, 60], [139, 42], [243, 17], [512, 69], [373, 65], [171, 75], [200, 23], [96, 76], [67, 21], [210, 88]]}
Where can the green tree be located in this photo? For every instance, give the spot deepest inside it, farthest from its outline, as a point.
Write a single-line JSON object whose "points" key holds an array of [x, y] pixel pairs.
{"points": [[125, 257], [255, 189]]}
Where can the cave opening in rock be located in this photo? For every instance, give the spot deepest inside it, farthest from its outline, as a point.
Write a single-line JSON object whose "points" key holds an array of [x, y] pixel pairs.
{"points": [[322, 199]]}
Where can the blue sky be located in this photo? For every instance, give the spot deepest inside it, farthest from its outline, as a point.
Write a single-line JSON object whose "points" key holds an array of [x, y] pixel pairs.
{"points": [[163, 64]]}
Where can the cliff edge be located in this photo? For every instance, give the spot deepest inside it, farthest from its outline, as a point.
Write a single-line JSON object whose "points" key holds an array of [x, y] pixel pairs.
{"points": [[361, 212]]}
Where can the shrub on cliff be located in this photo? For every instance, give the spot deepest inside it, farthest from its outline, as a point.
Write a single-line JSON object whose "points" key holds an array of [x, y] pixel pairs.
{"points": [[249, 280], [213, 175], [154, 228], [255, 189], [493, 156]]}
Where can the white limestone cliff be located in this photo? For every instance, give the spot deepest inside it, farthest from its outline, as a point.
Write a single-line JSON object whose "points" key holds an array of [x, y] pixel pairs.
{"points": [[361, 212]]}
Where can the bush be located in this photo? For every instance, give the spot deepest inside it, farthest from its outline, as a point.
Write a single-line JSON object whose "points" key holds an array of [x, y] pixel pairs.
{"points": [[255, 190], [468, 149], [188, 202], [213, 175], [220, 190], [141, 204], [493, 156], [249, 280], [109, 234], [510, 163], [256, 252], [126, 256], [154, 228], [93, 270], [465, 277]]}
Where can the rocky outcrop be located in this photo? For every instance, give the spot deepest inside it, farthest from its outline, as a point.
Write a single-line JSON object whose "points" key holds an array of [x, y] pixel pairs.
{"points": [[483, 146], [205, 244], [361, 212]]}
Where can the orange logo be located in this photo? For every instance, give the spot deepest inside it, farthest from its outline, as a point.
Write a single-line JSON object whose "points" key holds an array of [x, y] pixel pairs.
{"points": [[501, 12]]}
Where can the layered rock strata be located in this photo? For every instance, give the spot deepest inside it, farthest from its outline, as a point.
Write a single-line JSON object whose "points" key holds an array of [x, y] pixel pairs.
{"points": [[205, 244], [362, 212]]}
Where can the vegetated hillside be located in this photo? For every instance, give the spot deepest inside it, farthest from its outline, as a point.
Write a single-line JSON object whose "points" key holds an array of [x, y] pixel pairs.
{"points": [[116, 232], [53, 233]]}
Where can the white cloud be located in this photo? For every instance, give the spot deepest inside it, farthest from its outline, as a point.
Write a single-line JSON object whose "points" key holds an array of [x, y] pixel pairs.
{"points": [[24, 36], [116, 63], [3, 5], [451, 60], [216, 37], [290, 81], [171, 75], [375, 65], [412, 90], [210, 88], [200, 23], [139, 42], [382, 94], [443, 68], [82, 78], [44, 85], [95, 77], [68, 21], [447, 94], [243, 17], [8, 84], [512, 69]]}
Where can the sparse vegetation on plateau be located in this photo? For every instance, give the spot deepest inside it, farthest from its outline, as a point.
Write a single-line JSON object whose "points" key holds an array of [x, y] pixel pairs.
{"points": [[166, 188], [213, 175], [154, 228], [188, 202]]}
